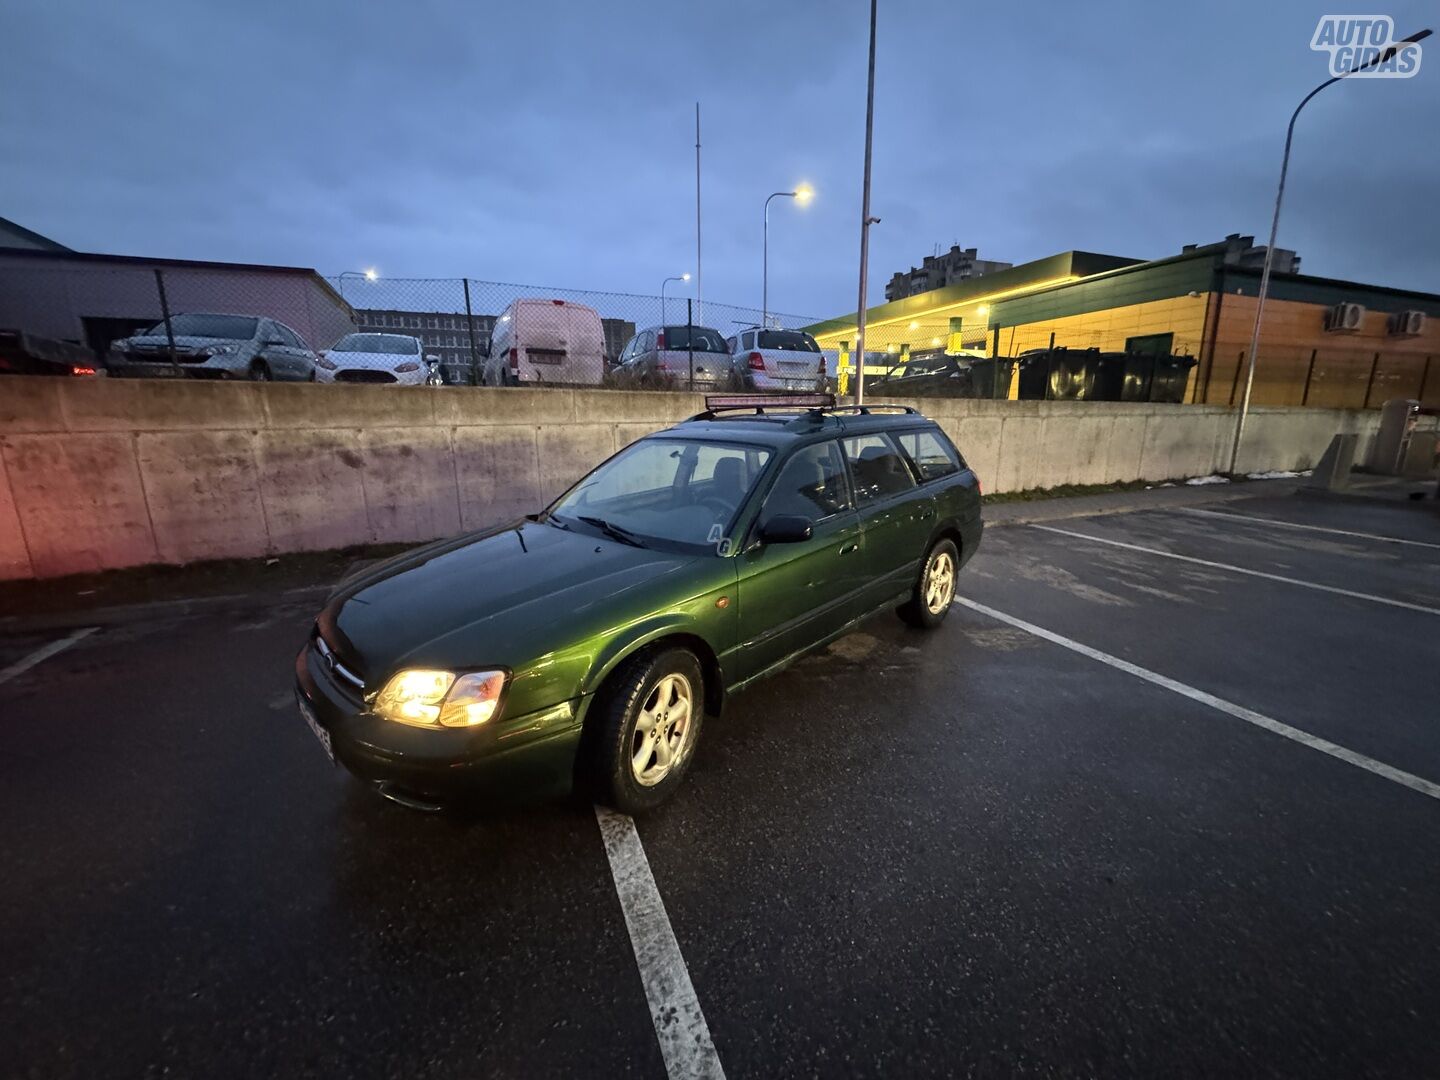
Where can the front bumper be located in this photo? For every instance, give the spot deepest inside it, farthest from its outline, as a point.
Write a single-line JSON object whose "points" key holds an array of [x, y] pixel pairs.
{"points": [[512, 757], [370, 376], [216, 367]]}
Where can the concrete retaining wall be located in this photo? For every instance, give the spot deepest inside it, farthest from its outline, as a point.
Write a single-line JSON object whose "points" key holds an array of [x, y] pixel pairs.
{"points": [[104, 473]]}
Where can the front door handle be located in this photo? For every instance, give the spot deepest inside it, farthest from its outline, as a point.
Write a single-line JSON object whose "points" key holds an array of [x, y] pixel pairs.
{"points": [[846, 549], [925, 514]]}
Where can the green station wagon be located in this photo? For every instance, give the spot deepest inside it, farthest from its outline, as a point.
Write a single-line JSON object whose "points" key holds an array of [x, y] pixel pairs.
{"points": [[587, 643]]}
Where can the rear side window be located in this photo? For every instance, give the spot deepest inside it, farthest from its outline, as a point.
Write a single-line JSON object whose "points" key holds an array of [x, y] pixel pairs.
{"points": [[811, 485], [788, 341], [877, 467], [706, 340], [931, 455]]}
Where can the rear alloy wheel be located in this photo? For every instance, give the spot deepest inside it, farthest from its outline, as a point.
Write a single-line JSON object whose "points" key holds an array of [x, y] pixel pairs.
{"points": [[930, 602], [647, 724]]}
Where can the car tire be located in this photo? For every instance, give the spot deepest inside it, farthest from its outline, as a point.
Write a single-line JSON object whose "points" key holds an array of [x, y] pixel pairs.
{"points": [[929, 601], [665, 686], [260, 372]]}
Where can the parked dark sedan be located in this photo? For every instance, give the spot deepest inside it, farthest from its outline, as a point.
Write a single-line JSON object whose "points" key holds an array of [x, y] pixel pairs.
{"points": [[589, 642]]}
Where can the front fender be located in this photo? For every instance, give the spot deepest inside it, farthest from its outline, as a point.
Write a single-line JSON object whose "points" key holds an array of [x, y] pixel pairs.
{"points": [[648, 631]]}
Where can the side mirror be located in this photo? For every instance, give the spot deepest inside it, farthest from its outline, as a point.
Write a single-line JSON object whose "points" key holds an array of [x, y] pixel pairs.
{"points": [[785, 529], [431, 358]]}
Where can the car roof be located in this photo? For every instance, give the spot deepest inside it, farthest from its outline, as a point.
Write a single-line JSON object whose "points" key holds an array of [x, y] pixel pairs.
{"points": [[783, 428]]}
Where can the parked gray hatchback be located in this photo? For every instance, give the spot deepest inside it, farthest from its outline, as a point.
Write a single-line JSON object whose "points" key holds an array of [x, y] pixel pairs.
{"points": [[215, 346], [662, 357]]}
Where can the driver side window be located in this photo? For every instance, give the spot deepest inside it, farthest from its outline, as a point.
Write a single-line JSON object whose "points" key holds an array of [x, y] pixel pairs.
{"points": [[812, 485]]}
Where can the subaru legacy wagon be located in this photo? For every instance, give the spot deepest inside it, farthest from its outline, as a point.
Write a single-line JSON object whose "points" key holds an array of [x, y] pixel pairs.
{"points": [[589, 642]]}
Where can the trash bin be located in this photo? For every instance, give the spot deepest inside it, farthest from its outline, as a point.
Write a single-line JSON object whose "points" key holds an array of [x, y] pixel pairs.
{"points": [[1057, 374], [990, 377], [1171, 377]]}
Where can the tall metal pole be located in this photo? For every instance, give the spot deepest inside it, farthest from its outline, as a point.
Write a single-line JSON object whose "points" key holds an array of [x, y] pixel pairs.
{"points": [[865, 221], [699, 276], [662, 295], [1275, 228], [765, 261]]}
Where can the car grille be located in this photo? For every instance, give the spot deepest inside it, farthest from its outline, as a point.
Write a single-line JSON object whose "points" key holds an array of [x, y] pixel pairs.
{"points": [[362, 375], [332, 663]]}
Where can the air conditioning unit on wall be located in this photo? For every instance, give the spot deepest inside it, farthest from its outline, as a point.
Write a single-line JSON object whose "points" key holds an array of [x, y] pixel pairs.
{"points": [[1344, 318], [1405, 324]]}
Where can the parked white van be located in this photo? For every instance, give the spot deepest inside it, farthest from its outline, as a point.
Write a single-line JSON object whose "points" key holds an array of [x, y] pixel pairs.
{"points": [[546, 341]]}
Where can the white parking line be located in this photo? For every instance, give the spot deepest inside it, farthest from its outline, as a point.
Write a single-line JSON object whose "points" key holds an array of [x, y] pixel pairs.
{"points": [[44, 653], [1308, 528], [1260, 720], [1243, 570], [679, 1024]]}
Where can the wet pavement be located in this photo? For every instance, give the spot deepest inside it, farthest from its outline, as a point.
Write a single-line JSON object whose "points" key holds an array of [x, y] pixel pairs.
{"points": [[977, 851]]}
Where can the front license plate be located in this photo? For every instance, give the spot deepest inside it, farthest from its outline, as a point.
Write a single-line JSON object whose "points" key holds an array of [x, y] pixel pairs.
{"points": [[320, 733]]}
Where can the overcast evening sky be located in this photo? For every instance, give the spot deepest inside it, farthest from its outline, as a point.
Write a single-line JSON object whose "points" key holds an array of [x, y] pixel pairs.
{"points": [[552, 143]]}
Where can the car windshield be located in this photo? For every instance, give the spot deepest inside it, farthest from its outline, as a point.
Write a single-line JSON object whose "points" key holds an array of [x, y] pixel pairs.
{"points": [[788, 341], [679, 490], [231, 327], [706, 340], [390, 344]]}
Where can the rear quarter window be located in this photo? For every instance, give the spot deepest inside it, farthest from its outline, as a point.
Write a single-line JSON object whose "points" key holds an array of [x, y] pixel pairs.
{"points": [[932, 454]]}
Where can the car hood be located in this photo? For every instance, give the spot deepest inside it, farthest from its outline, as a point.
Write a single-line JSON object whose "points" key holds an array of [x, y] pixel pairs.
{"points": [[505, 598]]}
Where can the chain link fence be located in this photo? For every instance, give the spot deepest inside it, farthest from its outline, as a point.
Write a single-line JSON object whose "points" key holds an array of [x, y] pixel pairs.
{"points": [[133, 318]]}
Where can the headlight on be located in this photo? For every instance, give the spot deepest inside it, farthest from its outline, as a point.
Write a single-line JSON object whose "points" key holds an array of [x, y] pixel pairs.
{"points": [[440, 698]]}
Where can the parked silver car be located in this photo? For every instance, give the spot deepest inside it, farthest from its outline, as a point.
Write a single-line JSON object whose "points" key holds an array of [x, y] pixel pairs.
{"points": [[661, 356], [778, 360], [215, 346]]}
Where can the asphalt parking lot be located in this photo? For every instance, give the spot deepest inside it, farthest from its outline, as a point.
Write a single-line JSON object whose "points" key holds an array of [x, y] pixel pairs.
{"points": [[1158, 799]]}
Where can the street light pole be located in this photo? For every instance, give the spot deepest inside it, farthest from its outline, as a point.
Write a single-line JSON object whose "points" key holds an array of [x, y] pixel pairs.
{"points": [[1275, 228], [682, 277], [802, 195], [865, 222], [765, 262]]}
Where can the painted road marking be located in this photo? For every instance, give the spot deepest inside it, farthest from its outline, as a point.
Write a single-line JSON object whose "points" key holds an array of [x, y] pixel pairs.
{"points": [[1243, 570], [1309, 528], [1260, 720], [44, 653], [679, 1024]]}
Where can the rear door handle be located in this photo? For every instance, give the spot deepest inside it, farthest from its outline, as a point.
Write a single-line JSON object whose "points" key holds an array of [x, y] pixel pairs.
{"points": [[846, 549]]}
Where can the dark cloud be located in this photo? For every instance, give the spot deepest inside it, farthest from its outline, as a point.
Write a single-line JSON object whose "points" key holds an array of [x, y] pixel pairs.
{"points": [[552, 142]]}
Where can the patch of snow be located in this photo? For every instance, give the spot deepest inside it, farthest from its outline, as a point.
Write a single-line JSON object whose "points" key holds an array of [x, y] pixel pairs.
{"points": [[1214, 478], [1274, 474]]}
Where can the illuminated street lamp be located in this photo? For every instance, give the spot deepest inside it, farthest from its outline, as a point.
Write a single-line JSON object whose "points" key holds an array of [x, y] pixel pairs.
{"points": [[802, 195], [368, 275], [1384, 57], [682, 277]]}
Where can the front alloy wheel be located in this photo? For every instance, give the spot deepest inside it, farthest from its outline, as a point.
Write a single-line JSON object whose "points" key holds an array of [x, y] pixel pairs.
{"points": [[662, 730], [929, 603], [643, 728]]}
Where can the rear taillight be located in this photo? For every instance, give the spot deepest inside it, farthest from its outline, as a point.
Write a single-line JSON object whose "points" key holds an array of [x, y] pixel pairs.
{"points": [[757, 362], [660, 340], [977, 485], [515, 361], [81, 369]]}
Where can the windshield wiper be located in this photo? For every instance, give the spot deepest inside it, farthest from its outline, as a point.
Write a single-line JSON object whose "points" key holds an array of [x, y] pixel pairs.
{"points": [[615, 532]]}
